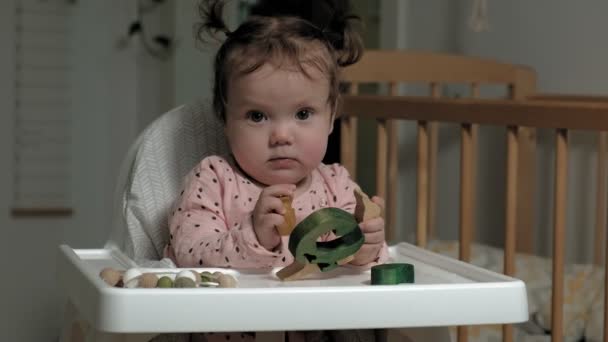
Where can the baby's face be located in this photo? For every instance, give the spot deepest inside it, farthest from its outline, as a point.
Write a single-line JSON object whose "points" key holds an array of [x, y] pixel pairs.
{"points": [[277, 122]]}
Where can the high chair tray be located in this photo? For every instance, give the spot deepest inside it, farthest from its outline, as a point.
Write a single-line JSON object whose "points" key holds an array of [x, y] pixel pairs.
{"points": [[446, 292]]}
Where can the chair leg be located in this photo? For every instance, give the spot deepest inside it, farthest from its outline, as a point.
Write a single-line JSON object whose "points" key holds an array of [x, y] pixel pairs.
{"points": [[73, 329]]}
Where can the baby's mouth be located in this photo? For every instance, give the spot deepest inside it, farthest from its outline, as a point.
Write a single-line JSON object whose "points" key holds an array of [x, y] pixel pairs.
{"points": [[282, 162], [280, 158]]}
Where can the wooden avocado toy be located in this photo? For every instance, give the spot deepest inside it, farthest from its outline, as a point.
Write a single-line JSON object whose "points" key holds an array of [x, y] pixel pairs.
{"points": [[313, 256]]}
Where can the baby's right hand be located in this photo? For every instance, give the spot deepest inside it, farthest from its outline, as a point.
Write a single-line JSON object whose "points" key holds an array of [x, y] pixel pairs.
{"points": [[269, 213]]}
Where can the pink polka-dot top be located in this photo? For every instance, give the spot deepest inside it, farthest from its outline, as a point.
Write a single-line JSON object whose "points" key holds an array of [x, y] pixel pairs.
{"points": [[211, 222]]}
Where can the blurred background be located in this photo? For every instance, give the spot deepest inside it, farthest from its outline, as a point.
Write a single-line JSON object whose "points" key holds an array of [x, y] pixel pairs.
{"points": [[80, 79]]}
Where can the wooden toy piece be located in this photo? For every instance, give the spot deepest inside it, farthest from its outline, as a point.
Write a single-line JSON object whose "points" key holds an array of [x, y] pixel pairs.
{"points": [[297, 270], [165, 282], [111, 276], [131, 277], [304, 242], [346, 260], [148, 280], [312, 255], [365, 209], [226, 280], [134, 278], [184, 282], [290, 217], [392, 274]]}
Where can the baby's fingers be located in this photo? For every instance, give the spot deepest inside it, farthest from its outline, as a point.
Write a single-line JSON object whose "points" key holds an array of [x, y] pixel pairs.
{"points": [[278, 190], [366, 254], [272, 220], [269, 200], [379, 201], [374, 237], [270, 204], [372, 225]]}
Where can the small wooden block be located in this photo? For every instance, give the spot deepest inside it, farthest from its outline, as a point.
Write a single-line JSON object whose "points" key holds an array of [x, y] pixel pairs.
{"points": [[290, 217], [297, 271], [365, 209], [346, 260]]}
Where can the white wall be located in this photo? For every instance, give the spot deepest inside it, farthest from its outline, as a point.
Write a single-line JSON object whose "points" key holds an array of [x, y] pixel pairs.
{"points": [[116, 93], [193, 75], [563, 41], [422, 25]]}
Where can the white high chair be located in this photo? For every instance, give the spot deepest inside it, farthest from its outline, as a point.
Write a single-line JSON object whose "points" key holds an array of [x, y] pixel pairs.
{"points": [[151, 175], [148, 183]]}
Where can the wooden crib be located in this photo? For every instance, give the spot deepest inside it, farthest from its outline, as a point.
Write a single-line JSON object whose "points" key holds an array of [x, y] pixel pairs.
{"points": [[521, 113]]}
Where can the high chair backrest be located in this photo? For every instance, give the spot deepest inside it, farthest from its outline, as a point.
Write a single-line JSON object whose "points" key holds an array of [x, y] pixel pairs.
{"points": [[394, 68], [152, 174]]}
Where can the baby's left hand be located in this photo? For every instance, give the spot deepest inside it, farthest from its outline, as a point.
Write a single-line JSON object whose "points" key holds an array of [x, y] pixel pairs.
{"points": [[373, 230]]}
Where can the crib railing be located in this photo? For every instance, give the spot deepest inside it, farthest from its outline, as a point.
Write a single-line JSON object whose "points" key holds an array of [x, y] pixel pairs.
{"points": [[561, 113], [438, 70], [602, 158]]}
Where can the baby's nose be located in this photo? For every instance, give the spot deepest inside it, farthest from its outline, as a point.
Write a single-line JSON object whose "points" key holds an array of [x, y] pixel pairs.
{"points": [[281, 134]]}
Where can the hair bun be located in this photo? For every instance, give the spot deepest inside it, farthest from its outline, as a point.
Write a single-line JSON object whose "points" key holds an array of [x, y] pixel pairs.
{"points": [[342, 32], [332, 17], [211, 12]]}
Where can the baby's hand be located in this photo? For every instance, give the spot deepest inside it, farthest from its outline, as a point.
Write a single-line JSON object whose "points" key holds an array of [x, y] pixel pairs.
{"points": [[268, 214], [373, 231]]}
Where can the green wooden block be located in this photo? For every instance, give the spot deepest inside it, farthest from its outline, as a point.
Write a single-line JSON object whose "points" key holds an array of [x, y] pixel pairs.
{"points": [[392, 274], [303, 242]]}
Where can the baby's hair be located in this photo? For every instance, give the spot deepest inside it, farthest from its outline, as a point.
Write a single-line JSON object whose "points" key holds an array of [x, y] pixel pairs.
{"points": [[282, 31]]}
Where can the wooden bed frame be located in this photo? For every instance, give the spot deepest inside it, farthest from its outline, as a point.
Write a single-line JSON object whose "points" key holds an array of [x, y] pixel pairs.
{"points": [[521, 113]]}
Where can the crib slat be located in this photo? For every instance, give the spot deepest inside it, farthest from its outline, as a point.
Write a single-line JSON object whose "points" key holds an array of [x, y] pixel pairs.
{"points": [[524, 86], [422, 185], [511, 212], [348, 138], [526, 189], [606, 288], [393, 180], [474, 153], [433, 149], [467, 205], [471, 151], [600, 198], [381, 157], [559, 212]]}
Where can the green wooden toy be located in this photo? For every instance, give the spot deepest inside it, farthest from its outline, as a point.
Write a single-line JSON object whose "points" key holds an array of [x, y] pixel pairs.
{"points": [[306, 249], [392, 274]]}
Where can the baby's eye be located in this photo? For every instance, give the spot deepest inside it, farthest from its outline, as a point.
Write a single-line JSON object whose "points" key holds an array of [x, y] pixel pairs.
{"points": [[303, 114], [256, 116]]}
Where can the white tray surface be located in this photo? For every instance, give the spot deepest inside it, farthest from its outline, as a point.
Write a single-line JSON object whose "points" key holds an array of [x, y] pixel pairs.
{"points": [[446, 292]]}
